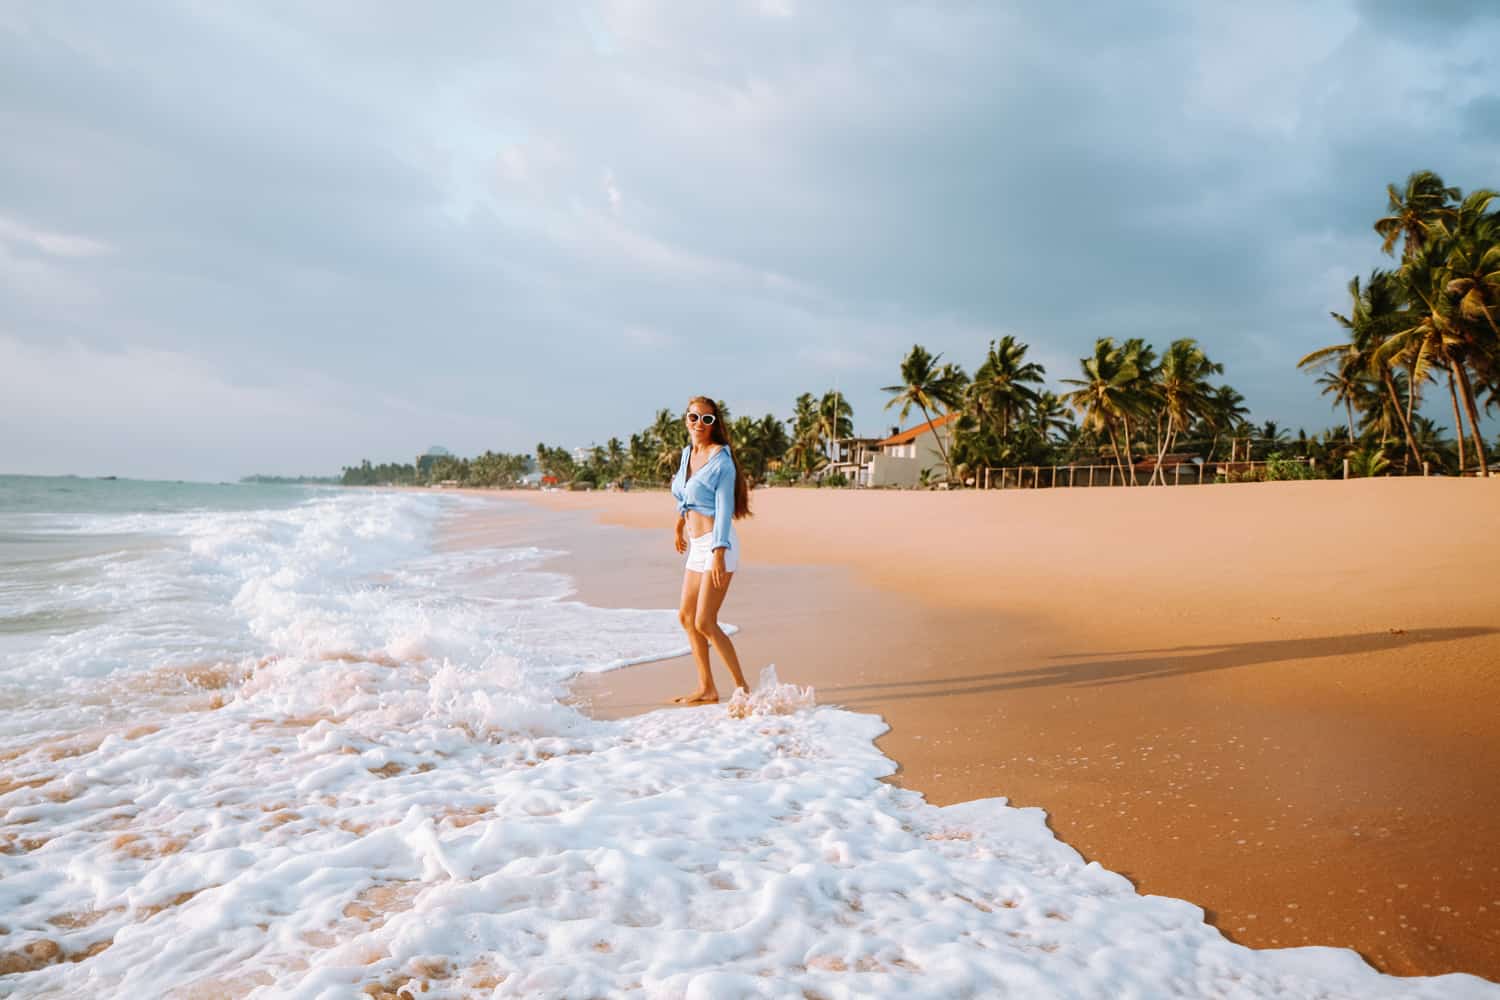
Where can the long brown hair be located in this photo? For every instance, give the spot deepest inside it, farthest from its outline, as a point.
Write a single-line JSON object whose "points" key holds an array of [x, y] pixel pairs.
{"points": [[719, 434]]}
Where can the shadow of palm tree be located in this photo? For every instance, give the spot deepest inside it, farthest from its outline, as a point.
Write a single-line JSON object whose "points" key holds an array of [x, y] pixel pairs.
{"points": [[1097, 669]]}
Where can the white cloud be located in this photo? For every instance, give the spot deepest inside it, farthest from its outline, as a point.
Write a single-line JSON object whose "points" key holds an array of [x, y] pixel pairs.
{"points": [[612, 190], [51, 243], [39, 265]]}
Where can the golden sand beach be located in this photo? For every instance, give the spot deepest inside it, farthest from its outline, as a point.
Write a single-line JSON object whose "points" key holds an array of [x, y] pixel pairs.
{"points": [[1277, 701]]}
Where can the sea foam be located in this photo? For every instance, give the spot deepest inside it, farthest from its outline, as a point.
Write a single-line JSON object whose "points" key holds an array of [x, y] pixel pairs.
{"points": [[384, 788]]}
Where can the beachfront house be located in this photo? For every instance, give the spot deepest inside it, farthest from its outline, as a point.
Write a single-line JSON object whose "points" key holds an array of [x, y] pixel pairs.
{"points": [[1176, 467], [900, 459], [848, 457]]}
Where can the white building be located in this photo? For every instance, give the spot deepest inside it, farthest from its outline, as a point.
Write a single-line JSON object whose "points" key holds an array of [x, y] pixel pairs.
{"points": [[848, 457], [900, 459]]}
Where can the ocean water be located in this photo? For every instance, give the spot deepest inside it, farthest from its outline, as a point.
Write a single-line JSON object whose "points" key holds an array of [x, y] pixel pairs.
{"points": [[279, 742]]}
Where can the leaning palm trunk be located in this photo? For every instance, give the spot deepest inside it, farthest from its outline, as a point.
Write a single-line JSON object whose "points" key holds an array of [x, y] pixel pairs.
{"points": [[1166, 442], [1458, 422], [1467, 392], [936, 437], [1161, 449], [1411, 395], [1129, 477], [1113, 446], [1411, 445]]}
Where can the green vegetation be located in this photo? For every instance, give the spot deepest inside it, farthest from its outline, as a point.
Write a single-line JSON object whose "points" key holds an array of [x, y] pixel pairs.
{"points": [[490, 469], [1280, 467], [1434, 317], [260, 480], [930, 389], [384, 474]]}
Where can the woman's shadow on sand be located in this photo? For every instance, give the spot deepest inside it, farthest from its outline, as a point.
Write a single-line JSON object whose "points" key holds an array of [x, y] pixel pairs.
{"points": [[1122, 667]]}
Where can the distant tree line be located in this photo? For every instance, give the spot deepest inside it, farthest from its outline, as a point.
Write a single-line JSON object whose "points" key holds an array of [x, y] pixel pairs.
{"points": [[651, 455], [262, 480], [491, 469]]}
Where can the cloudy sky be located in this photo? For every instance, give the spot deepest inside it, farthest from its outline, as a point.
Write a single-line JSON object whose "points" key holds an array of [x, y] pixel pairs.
{"points": [[282, 237]]}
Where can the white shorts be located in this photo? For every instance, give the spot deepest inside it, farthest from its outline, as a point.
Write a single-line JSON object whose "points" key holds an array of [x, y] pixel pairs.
{"points": [[701, 556]]}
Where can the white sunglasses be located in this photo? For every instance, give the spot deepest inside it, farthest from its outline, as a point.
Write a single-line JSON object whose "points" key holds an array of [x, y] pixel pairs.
{"points": [[707, 418]]}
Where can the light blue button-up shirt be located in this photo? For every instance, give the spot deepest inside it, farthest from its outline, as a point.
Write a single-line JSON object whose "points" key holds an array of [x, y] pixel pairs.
{"points": [[708, 491]]}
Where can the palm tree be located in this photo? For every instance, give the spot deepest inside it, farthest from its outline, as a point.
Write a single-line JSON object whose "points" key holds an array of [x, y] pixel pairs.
{"points": [[1432, 445], [1182, 386], [1139, 394], [772, 441], [643, 449], [1343, 381], [1002, 386], [1431, 340], [1415, 211], [1454, 283], [835, 417], [1272, 437], [1103, 394], [1377, 313], [671, 438], [804, 415], [1225, 411], [804, 455], [1470, 279], [1367, 463], [615, 455], [927, 387], [1049, 415], [748, 456]]}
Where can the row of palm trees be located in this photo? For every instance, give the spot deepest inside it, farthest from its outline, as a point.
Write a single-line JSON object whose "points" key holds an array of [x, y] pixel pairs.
{"points": [[1433, 318], [1129, 402], [1131, 405]]}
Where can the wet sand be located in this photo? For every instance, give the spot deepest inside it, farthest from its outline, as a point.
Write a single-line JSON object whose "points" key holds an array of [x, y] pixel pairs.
{"points": [[1277, 701]]}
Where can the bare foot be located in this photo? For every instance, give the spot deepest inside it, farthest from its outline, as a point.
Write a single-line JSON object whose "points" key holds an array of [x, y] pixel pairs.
{"points": [[696, 698]]}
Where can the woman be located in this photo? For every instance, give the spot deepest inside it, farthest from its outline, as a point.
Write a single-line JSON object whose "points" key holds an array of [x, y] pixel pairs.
{"points": [[711, 494]]}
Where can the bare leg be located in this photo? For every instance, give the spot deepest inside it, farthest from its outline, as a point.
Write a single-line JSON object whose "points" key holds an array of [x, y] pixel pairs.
{"points": [[687, 613], [706, 621]]}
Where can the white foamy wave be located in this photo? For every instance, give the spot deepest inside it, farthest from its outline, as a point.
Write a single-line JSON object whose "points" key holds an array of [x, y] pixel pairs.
{"points": [[770, 697], [207, 587], [685, 854]]}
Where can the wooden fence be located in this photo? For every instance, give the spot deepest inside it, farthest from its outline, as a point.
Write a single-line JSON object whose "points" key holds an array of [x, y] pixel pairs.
{"points": [[1070, 476]]}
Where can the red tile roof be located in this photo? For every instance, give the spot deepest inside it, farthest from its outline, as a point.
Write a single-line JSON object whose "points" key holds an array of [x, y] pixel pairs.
{"points": [[912, 433]]}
